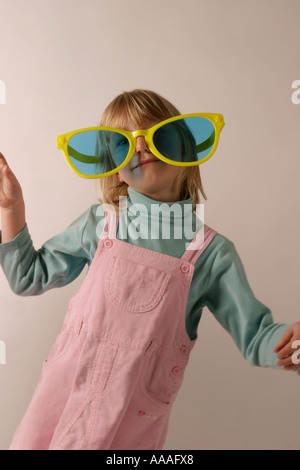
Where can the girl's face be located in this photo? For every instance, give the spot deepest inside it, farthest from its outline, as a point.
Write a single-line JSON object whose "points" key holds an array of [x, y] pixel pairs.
{"points": [[147, 174]]}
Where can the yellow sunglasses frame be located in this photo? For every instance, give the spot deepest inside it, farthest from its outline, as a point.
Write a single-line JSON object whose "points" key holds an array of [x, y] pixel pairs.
{"points": [[62, 142]]}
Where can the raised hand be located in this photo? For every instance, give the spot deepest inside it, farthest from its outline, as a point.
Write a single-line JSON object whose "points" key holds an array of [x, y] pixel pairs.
{"points": [[11, 203], [10, 189]]}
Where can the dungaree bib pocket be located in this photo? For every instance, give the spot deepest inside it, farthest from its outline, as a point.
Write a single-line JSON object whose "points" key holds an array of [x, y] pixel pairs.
{"points": [[135, 287]]}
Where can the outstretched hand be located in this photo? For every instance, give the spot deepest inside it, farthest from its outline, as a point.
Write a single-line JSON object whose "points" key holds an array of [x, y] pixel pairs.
{"points": [[10, 189], [287, 348], [12, 206]]}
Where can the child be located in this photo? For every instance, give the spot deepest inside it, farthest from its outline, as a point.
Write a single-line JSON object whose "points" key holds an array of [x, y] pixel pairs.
{"points": [[115, 369]]}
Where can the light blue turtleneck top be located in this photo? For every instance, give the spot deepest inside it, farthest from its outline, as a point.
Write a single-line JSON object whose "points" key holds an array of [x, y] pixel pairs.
{"points": [[219, 281]]}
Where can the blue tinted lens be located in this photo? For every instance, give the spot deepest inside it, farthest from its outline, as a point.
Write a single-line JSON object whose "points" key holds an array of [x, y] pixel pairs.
{"points": [[97, 152], [185, 140]]}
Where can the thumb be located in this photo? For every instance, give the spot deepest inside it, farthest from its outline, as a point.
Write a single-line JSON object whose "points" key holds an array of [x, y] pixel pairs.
{"points": [[10, 185]]}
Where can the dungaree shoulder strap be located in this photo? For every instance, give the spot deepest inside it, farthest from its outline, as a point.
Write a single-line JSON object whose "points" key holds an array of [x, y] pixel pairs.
{"points": [[199, 243], [110, 225]]}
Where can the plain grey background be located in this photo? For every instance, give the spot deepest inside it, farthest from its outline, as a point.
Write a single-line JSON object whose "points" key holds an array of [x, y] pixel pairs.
{"points": [[62, 62]]}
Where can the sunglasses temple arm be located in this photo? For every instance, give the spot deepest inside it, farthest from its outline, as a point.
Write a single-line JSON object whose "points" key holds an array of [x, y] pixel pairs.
{"points": [[207, 143], [81, 157]]}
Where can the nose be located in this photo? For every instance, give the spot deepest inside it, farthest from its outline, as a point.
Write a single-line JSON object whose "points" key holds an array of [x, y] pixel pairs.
{"points": [[141, 145]]}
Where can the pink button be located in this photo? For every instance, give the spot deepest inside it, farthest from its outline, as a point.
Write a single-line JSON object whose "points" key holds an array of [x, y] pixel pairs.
{"points": [[185, 268], [108, 243], [183, 349], [176, 370], [141, 413]]}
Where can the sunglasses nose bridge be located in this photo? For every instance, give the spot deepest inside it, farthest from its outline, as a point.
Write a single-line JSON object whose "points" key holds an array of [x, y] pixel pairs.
{"points": [[140, 133]]}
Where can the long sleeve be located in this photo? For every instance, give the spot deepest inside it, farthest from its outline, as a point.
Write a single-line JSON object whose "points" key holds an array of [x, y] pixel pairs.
{"points": [[230, 298], [57, 263]]}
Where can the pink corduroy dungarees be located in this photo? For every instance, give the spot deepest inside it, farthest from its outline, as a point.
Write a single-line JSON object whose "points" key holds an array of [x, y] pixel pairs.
{"points": [[116, 367]]}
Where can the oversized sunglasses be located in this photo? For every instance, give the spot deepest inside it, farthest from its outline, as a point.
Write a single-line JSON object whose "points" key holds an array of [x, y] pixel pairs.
{"points": [[185, 140]]}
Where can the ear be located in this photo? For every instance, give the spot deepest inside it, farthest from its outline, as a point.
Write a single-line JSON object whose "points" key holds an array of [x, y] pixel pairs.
{"points": [[118, 177]]}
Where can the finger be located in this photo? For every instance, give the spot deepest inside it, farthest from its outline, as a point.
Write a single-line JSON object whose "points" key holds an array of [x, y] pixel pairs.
{"points": [[289, 349], [292, 367], [287, 361], [9, 186], [3, 165], [2, 159], [292, 358], [285, 352], [10, 183], [283, 340]]}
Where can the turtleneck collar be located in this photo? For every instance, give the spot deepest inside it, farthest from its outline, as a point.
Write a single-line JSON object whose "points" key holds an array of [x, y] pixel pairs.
{"points": [[136, 197]]}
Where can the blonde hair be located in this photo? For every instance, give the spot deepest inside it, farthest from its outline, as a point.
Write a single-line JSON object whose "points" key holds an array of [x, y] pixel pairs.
{"points": [[141, 107]]}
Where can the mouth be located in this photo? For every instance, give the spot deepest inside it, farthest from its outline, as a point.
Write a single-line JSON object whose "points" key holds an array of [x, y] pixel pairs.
{"points": [[145, 163]]}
